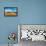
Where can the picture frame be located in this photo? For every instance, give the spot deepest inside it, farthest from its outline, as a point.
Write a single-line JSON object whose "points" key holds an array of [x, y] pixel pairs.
{"points": [[10, 11]]}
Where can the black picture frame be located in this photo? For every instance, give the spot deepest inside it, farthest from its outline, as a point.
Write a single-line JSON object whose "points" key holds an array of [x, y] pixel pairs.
{"points": [[12, 14]]}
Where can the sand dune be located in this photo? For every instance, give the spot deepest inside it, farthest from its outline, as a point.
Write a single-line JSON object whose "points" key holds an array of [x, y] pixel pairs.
{"points": [[10, 13]]}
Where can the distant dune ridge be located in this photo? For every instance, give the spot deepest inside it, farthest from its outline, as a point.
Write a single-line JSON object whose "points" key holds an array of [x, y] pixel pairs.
{"points": [[10, 13]]}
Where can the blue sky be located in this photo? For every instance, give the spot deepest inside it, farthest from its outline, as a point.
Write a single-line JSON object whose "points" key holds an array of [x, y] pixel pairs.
{"points": [[10, 9]]}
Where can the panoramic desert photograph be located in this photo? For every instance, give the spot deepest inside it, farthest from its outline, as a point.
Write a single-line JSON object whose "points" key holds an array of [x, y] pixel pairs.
{"points": [[10, 11]]}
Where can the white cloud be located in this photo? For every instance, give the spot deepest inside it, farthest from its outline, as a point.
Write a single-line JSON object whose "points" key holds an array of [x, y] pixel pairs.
{"points": [[9, 10]]}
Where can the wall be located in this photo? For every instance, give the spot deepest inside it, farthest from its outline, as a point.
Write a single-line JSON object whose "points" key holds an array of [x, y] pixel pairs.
{"points": [[33, 12], [29, 12], [7, 24]]}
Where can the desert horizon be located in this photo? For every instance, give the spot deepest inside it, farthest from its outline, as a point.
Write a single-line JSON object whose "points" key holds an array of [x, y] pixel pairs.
{"points": [[10, 13]]}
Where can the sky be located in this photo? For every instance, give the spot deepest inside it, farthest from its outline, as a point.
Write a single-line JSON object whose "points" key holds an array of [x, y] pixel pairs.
{"points": [[10, 9]]}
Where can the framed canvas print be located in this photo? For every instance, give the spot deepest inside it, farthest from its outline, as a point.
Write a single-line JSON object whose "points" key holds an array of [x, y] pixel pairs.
{"points": [[10, 11]]}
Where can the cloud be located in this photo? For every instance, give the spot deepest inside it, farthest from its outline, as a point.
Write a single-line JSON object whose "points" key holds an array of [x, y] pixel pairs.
{"points": [[10, 10]]}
